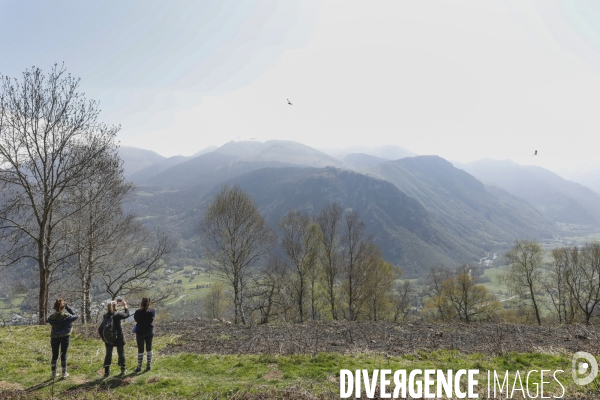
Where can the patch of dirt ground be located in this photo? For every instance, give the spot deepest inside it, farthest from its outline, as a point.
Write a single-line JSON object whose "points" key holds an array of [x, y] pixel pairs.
{"points": [[154, 379], [212, 337], [10, 386]]}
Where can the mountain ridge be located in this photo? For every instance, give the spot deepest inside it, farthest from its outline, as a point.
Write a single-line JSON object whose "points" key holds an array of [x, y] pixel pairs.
{"points": [[558, 199]]}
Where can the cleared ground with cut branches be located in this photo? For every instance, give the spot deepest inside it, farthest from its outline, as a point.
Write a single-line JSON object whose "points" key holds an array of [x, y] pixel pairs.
{"points": [[201, 336]]}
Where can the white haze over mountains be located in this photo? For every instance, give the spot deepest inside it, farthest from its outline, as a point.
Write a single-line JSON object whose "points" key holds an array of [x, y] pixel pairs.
{"points": [[464, 80], [141, 164]]}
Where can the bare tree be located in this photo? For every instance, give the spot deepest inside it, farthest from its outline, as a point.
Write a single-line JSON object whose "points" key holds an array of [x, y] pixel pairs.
{"points": [[470, 301], [583, 278], [525, 272], [301, 241], [215, 302], [95, 229], [436, 306], [139, 254], [360, 258], [457, 296], [402, 300], [235, 237], [555, 283], [380, 285], [330, 222], [49, 134], [269, 292]]}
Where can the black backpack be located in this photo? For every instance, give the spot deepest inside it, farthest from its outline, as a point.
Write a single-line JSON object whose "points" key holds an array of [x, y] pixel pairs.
{"points": [[107, 329]]}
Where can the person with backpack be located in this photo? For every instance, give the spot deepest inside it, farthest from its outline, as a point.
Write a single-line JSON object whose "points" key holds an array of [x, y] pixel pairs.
{"points": [[144, 332], [61, 322], [111, 333]]}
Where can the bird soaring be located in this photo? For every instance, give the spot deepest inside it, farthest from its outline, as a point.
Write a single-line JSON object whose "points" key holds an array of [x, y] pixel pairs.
{"points": [[289, 102], [535, 154]]}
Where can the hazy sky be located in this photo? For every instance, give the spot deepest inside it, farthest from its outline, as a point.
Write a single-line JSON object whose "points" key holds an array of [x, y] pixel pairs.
{"points": [[462, 79]]}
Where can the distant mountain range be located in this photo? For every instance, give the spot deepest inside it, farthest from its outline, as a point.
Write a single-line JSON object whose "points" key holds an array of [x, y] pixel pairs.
{"points": [[421, 210], [589, 178], [387, 152], [465, 206], [558, 199], [137, 159], [232, 159], [362, 160]]}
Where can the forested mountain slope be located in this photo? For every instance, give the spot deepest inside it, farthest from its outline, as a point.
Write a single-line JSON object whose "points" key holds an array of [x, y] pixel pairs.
{"points": [[465, 206]]}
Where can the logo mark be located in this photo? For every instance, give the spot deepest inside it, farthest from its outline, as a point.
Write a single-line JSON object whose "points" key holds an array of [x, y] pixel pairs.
{"points": [[581, 367]]}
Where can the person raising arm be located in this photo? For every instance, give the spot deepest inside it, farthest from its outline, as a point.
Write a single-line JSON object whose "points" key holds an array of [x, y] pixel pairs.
{"points": [[61, 322]]}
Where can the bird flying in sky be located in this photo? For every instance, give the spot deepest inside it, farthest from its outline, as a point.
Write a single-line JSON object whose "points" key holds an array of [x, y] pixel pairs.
{"points": [[289, 102], [535, 154]]}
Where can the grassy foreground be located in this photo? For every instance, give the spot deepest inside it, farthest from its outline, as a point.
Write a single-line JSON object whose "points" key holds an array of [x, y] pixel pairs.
{"points": [[25, 370]]}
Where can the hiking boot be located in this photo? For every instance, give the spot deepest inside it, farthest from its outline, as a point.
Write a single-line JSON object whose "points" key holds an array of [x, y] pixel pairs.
{"points": [[123, 370], [54, 374], [106, 372], [65, 375], [149, 367], [138, 369]]}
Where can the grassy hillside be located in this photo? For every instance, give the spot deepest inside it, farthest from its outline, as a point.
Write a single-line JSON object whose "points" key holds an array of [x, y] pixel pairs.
{"points": [[25, 352]]}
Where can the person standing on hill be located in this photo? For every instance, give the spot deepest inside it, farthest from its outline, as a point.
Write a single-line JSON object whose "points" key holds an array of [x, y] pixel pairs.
{"points": [[119, 339], [61, 322], [144, 332]]}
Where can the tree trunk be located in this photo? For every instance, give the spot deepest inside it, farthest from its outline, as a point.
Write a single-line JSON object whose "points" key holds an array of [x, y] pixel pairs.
{"points": [[236, 308], [44, 278], [87, 307], [332, 302], [301, 299], [43, 294], [313, 305], [535, 307]]}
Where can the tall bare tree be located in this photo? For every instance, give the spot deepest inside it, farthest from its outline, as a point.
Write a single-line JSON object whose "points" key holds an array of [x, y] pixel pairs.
{"points": [[360, 259], [301, 240], [381, 283], [330, 222], [269, 294], [49, 135], [436, 291], [470, 301], [96, 228], [524, 276], [459, 297], [583, 278], [235, 237], [214, 302], [402, 300], [137, 256], [555, 283]]}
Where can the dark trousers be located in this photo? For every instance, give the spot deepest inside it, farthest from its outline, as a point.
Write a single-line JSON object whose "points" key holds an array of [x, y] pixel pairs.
{"points": [[61, 344], [120, 353], [144, 339]]}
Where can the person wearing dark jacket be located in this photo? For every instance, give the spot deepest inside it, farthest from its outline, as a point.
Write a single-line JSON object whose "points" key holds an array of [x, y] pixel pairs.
{"points": [[144, 332], [119, 342], [61, 322]]}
